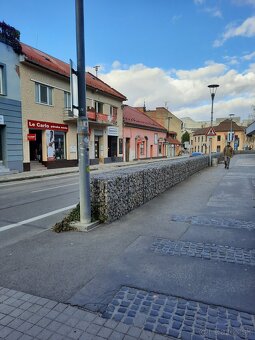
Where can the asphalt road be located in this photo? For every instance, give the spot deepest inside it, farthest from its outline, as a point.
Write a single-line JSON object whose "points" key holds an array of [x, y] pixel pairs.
{"points": [[31, 206], [214, 206]]}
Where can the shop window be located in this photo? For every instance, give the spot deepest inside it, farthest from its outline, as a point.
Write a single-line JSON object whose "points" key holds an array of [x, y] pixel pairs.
{"points": [[99, 107], [2, 79], [142, 148], [67, 98], [43, 94], [60, 151]]}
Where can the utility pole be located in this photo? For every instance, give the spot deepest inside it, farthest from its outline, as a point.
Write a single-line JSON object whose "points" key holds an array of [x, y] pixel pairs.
{"points": [[82, 120]]}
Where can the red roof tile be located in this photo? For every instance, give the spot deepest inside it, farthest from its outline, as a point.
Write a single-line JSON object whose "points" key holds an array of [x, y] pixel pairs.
{"points": [[53, 64], [137, 118], [173, 140]]}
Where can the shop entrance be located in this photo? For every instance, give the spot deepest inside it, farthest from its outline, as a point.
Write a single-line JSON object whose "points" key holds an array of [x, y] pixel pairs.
{"points": [[36, 146], [112, 146]]}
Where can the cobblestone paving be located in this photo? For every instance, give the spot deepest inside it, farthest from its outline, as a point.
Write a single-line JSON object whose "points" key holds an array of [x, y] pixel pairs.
{"points": [[214, 221], [205, 251], [179, 318], [26, 317]]}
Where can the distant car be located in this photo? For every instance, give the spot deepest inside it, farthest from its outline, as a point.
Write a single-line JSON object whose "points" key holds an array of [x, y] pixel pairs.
{"points": [[196, 154]]}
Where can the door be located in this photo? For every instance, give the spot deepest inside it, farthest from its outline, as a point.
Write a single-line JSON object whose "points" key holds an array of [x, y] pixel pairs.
{"points": [[127, 148], [96, 149], [151, 151], [36, 146]]}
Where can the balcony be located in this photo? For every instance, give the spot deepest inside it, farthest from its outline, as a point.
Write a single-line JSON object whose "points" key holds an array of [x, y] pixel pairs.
{"points": [[93, 116]]}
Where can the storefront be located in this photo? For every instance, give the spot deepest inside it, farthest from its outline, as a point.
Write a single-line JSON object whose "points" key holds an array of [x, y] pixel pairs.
{"points": [[47, 143]]}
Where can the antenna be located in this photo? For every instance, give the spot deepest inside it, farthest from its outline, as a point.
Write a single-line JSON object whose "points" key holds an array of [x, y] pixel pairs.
{"points": [[96, 68]]}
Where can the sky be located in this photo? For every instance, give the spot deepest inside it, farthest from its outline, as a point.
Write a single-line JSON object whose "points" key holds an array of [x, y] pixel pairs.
{"points": [[161, 52]]}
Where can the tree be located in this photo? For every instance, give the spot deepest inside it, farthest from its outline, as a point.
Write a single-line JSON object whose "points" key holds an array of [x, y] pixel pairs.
{"points": [[185, 137]]}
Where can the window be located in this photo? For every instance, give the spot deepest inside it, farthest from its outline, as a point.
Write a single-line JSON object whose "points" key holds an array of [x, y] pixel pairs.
{"points": [[198, 139], [43, 94], [218, 138], [2, 80], [99, 107], [113, 113], [67, 98], [155, 138], [218, 148], [142, 148]]}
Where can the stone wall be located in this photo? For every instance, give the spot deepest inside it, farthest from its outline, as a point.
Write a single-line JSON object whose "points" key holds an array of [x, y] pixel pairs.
{"points": [[114, 194]]}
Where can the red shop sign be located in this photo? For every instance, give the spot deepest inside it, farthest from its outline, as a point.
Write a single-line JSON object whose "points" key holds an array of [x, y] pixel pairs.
{"points": [[31, 137], [36, 124]]}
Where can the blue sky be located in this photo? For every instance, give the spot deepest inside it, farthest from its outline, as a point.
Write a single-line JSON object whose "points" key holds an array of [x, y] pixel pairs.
{"points": [[163, 52]]}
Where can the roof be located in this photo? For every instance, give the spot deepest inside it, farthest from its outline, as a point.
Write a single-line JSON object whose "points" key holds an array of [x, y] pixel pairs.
{"points": [[172, 140], [224, 126], [53, 64], [132, 116]]}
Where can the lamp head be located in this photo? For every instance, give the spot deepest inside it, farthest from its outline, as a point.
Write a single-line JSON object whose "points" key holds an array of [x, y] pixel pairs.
{"points": [[213, 89]]}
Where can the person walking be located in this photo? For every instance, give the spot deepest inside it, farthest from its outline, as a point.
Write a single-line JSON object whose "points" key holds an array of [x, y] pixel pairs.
{"points": [[228, 153]]}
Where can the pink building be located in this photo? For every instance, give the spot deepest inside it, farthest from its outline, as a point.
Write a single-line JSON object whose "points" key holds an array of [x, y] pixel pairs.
{"points": [[142, 136]]}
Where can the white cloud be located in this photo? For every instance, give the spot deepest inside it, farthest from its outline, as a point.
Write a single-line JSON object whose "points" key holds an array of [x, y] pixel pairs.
{"points": [[175, 18], [249, 56], [246, 29], [244, 2], [186, 91], [199, 2], [213, 11]]}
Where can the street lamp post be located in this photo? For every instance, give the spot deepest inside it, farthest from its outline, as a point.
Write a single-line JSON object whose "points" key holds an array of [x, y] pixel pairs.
{"points": [[213, 89], [231, 115]]}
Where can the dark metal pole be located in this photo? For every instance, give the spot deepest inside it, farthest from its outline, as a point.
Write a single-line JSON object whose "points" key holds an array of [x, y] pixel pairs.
{"points": [[82, 121]]}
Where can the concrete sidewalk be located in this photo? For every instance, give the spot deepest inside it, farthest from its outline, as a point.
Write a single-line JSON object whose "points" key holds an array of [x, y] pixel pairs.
{"points": [[181, 266]]}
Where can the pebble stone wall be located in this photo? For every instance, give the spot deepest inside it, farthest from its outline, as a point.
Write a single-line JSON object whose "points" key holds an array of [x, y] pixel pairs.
{"points": [[116, 193]]}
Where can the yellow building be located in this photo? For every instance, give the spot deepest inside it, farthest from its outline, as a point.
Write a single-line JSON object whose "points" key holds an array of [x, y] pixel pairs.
{"points": [[200, 142], [49, 129]]}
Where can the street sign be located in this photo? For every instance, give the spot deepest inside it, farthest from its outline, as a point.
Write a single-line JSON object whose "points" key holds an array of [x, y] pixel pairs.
{"points": [[31, 137], [211, 132]]}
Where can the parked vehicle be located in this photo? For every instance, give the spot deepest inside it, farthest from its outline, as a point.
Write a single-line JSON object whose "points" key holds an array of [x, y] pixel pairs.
{"points": [[196, 154]]}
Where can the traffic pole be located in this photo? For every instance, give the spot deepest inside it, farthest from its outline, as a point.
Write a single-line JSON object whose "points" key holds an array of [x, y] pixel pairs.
{"points": [[82, 120]]}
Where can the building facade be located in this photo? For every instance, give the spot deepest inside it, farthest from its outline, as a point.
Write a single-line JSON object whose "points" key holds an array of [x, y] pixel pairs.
{"points": [[200, 141], [49, 126], [172, 124], [143, 137], [11, 153]]}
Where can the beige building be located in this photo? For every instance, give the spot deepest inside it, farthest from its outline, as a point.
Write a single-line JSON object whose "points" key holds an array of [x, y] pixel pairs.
{"points": [[172, 124], [49, 129], [200, 141]]}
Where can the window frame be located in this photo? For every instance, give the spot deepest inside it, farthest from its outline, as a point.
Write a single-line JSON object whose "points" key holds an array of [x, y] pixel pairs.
{"points": [[3, 80], [49, 94], [67, 100]]}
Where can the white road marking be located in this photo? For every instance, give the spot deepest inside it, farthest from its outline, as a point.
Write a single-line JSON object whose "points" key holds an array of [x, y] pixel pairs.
{"points": [[52, 188], [36, 218]]}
